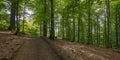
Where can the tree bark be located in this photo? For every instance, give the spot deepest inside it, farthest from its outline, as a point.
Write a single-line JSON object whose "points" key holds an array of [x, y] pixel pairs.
{"points": [[52, 31], [105, 26], [108, 24], [12, 16], [17, 17], [89, 24], [79, 38], [23, 19], [45, 21], [116, 25], [97, 31], [73, 29], [119, 27]]}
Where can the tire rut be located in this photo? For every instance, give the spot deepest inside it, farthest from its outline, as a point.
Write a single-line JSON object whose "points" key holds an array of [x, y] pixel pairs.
{"points": [[36, 49]]}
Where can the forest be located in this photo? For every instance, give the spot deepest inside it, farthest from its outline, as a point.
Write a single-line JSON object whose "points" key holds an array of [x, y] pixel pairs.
{"points": [[94, 24]]}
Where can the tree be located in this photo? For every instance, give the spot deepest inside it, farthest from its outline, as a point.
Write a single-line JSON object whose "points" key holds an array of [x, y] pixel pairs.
{"points": [[98, 31], [117, 25], [23, 16], [45, 21], [79, 23], [108, 24], [73, 28], [89, 23], [12, 15], [52, 31], [17, 17]]}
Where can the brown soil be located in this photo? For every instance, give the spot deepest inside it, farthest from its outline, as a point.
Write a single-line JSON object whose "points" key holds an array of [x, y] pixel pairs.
{"points": [[9, 44], [36, 49], [24, 47], [76, 51]]}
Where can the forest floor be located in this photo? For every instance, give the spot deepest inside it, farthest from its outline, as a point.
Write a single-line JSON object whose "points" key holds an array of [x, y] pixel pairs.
{"points": [[23, 47]]}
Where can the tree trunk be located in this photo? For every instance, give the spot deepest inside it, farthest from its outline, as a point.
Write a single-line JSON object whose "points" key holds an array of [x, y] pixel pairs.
{"points": [[40, 27], [45, 21], [52, 31], [82, 39], [97, 31], [119, 27], [68, 28], [73, 29], [23, 19], [12, 16], [79, 38], [116, 25], [89, 24], [105, 27], [17, 17], [108, 24], [63, 29]]}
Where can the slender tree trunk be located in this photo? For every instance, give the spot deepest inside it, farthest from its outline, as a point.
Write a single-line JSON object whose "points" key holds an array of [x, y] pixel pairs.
{"points": [[79, 27], [23, 19], [17, 17], [116, 25], [63, 33], [12, 16], [94, 36], [52, 31], [73, 29], [91, 28], [45, 21], [79, 38], [41, 28], [89, 24], [108, 24], [63, 29], [58, 32], [97, 31], [82, 40], [105, 26], [119, 27], [67, 29]]}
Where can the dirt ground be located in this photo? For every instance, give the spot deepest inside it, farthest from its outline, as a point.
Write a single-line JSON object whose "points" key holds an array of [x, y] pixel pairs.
{"points": [[24, 47], [9, 44], [76, 51], [36, 49]]}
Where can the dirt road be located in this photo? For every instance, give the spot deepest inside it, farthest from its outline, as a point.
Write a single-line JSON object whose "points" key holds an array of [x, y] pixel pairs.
{"points": [[36, 49], [24, 47]]}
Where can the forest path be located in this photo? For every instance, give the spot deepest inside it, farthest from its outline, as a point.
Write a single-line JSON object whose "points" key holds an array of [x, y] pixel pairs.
{"points": [[24, 47], [36, 49]]}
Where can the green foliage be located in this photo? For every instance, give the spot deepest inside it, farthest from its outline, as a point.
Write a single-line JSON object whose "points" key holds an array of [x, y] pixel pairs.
{"points": [[4, 17], [4, 24], [31, 29]]}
